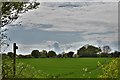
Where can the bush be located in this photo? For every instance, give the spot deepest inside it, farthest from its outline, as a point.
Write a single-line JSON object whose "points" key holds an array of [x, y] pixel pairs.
{"points": [[110, 70], [22, 70]]}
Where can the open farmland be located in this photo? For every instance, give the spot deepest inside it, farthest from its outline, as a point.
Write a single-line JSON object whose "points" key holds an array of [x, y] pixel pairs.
{"points": [[67, 67]]}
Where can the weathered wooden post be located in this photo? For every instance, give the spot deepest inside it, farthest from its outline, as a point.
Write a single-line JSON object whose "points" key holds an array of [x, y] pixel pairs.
{"points": [[14, 58]]}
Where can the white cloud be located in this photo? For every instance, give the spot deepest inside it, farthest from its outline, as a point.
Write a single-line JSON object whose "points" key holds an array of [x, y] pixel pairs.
{"points": [[96, 23], [78, 0], [96, 16]]}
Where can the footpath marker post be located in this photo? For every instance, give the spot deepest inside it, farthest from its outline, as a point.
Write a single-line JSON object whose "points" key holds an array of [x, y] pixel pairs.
{"points": [[14, 58]]}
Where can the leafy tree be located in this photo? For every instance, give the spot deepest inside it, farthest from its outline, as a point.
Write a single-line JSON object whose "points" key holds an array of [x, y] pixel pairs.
{"points": [[3, 55], [65, 55], [115, 54], [10, 54], [51, 54], [28, 56], [59, 55], [35, 53], [9, 12], [20, 56], [70, 54], [75, 56], [88, 51], [43, 54], [24, 56], [106, 49], [103, 55]]}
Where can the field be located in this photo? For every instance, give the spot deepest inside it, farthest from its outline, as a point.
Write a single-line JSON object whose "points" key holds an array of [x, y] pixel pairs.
{"points": [[67, 67]]}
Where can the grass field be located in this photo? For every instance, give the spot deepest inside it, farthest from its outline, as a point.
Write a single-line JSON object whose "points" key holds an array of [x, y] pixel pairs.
{"points": [[67, 67]]}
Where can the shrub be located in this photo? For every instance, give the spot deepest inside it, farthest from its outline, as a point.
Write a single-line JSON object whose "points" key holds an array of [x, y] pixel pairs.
{"points": [[22, 70], [109, 70]]}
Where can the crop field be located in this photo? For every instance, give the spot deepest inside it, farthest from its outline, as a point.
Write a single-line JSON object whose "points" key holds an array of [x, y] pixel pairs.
{"points": [[68, 67]]}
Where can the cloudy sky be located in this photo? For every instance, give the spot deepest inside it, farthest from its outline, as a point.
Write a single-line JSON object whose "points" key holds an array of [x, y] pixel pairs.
{"points": [[65, 26]]}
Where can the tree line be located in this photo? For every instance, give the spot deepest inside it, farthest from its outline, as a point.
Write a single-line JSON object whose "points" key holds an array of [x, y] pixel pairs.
{"points": [[84, 51]]}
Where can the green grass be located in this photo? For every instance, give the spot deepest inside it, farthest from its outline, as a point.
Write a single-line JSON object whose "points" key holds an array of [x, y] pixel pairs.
{"points": [[67, 67]]}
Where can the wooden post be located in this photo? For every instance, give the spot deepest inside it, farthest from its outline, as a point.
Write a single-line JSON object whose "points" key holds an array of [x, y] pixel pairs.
{"points": [[14, 58]]}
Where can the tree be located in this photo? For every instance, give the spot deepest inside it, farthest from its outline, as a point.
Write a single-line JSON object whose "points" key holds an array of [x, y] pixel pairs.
{"points": [[20, 56], [106, 49], [70, 54], [43, 54], [35, 53], [24, 56], [75, 56], [51, 54], [10, 54], [65, 55], [88, 51], [104, 55], [115, 54], [9, 12], [59, 55], [3, 55]]}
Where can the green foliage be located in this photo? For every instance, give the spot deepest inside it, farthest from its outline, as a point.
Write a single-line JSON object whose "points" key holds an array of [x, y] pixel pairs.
{"points": [[35, 53], [10, 54], [22, 70], [43, 54], [70, 54], [88, 51], [104, 55], [7, 6], [9, 12], [65, 55], [76, 56], [51, 54], [106, 49], [110, 70], [59, 56], [115, 54], [7, 70]]}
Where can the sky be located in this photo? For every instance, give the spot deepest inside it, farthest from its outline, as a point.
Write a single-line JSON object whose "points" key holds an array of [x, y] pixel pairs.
{"points": [[65, 26]]}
